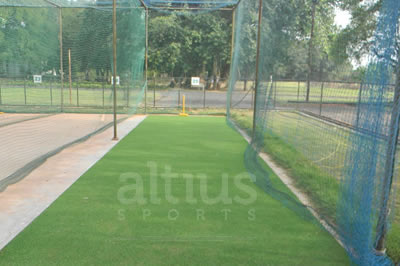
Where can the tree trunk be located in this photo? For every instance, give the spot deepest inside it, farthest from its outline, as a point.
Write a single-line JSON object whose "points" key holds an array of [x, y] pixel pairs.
{"points": [[87, 75]]}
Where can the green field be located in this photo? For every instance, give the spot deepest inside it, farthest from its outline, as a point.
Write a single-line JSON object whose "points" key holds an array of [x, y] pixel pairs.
{"points": [[313, 152], [95, 223], [79, 97], [294, 91], [332, 92], [93, 95]]}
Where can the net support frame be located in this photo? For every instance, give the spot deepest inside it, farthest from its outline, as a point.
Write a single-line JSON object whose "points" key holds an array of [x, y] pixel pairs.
{"points": [[146, 56], [232, 44], [115, 137], [61, 57], [257, 67]]}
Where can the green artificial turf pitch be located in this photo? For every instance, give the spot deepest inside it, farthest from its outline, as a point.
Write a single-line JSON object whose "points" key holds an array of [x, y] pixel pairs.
{"points": [[97, 222]]}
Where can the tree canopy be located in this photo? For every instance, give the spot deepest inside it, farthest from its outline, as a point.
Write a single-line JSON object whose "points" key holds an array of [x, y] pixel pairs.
{"points": [[187, 44]]}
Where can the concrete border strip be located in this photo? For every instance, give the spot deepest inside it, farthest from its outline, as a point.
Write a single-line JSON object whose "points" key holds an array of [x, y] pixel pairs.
{"points": [[288, 181]]}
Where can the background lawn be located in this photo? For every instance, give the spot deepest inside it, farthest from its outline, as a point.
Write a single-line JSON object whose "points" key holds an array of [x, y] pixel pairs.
{"points": [[89, 225]]}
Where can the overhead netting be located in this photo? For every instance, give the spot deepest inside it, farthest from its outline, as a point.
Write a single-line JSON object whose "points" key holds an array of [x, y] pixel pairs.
{"points": [[337, 140], [56, 66], [184, 6]]}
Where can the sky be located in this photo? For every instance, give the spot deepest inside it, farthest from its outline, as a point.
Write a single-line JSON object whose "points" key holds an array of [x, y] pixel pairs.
{"points": [[342, 18]]}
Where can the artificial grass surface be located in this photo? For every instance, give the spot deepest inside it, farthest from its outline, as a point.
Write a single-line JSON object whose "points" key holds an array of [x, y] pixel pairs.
{"points": [[90, 225]]}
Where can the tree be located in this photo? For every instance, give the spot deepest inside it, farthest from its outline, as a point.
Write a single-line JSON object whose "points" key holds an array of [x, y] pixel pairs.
{"points": [[187, 45], [165, 41], [28, 39]]}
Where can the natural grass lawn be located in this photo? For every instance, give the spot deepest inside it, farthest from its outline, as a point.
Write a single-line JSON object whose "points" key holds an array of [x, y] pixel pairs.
{"points": [[81, 97], [314, 160], [332, 92], [89, 225]]}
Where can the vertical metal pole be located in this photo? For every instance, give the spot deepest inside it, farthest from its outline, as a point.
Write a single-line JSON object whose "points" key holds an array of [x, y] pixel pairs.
{"points": [[127, 94], [146, 59], [183, 104], [154, 93], [320, 100], [70, 76], [232, 50], [233, 33], [61, 58], [103, 92], [359, 105], [1, 100], [252, 97], [382, 225], [204, 97], [145, 99], [257, 68], [274, 94], [51, 93], [115, 66], [179, 98], [298, 95], [25, 90], [77, 93], [298, 91]]}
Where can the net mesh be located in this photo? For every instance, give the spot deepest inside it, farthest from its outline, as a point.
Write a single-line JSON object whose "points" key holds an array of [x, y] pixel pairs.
{"points": [[337, 140], [56, 76]]}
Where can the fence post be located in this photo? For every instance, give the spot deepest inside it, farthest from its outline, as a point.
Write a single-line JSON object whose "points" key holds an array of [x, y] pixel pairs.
{"points": [[51, 93], [145, 98], [127, 94], [320, 101], [179, 98], [252, 96], [298, 95], [103, 92], [204, 97], [274, 88], [25, 90], [77, 93], [298, 91], [154, 93], [359, 105]]}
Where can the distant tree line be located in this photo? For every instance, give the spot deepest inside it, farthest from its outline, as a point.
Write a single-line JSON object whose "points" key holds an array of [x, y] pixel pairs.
{"points": [[299, 40]]}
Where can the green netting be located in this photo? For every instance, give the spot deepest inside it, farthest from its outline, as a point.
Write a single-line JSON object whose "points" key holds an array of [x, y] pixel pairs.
{"points": [[97, 4], [51, 99], [337, 140]]}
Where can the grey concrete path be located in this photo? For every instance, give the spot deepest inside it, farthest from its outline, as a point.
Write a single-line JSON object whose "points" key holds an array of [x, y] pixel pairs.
{"points": [[8, 119], [22, 202], [24, 142]]}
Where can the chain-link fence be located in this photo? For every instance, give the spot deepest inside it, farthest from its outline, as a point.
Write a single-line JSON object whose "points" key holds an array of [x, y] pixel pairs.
{"points": [[336, 101], [22, 94]]}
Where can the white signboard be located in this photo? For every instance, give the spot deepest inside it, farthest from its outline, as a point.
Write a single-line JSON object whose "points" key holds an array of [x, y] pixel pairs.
{"points": [[195, 81], [112, 80], [37, 79]]}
